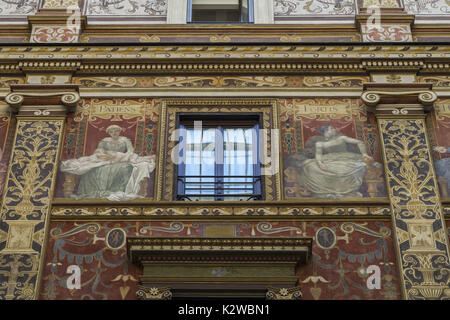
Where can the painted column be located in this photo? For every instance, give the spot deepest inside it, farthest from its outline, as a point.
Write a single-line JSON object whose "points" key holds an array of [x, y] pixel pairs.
{"points": [[30, 180], [417, 218]]}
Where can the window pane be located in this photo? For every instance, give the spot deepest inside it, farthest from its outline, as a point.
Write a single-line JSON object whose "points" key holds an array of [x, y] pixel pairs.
{"points": [[220, 161], [200, 162], [216, 11], [238, 162]]}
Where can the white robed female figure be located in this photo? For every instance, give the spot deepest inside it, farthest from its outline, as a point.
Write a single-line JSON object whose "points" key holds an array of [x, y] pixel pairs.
{"points": [[329, 168], [113, 171]]}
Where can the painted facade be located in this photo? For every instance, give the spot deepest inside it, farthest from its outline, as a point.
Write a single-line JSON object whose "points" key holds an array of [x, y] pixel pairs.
{"points": [[359, 170]]}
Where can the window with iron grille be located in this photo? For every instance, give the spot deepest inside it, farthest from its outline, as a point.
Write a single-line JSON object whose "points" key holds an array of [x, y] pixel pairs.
{"points": [[219, 158]]}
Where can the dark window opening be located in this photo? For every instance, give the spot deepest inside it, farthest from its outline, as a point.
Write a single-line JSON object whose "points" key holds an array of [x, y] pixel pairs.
{"points": [[219, 159], [220, 11]]}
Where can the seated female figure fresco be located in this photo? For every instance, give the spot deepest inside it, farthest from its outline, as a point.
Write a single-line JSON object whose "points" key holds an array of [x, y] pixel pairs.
{"points": [[113, 171], [333, 166]]}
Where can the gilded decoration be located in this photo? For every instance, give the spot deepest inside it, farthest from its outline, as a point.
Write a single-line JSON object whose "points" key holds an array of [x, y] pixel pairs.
{"points": [[437, 81], [109, 150], [221, 81], [255, 52], [268, 109], [5, 82], [417, 212], [242, 210], [273, 293], [60, 4], [342, 138], [438, 128], [153, 293], [25, 207]]}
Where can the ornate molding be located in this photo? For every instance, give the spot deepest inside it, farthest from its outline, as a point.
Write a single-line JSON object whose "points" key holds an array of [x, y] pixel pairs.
{"points": [[69, 99], [153, 293], [49, 65], [229, 52], [244, 250], [176, 210], [37, 100], [274, 293], [373, 98], [229, 67]]}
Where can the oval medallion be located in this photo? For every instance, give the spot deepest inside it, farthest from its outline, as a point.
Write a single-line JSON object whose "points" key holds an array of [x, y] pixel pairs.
{"points": [[326, 238], [115, 238]]}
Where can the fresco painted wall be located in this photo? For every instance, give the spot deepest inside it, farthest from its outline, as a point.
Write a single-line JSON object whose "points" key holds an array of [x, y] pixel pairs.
{"points": [[25, 7], [126, 7], [7, 127], [109, 150], [342, 251], [439, 135], [330, 149]]}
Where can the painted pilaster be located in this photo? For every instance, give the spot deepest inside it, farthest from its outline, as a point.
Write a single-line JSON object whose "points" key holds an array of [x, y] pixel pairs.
{"points": [[25, 210], [417, 218]]}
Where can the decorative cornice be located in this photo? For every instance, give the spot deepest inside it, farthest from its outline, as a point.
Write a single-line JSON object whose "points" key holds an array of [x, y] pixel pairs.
{"points": [[244, 250], [226, 52], [230, 67], [389, 65], [49, 65]]}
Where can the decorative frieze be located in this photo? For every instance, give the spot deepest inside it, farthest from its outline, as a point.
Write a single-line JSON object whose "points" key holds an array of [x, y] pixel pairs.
{"points": [[254, 52], [60, 4], [386, 33], [126, 7], [174, 210], [289, 8], [430, 7], [53, 34], [18, 7]]}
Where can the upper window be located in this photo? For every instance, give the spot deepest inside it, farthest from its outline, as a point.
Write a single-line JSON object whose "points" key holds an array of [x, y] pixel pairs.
{"points": [[219, 158], [220, 11]]}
